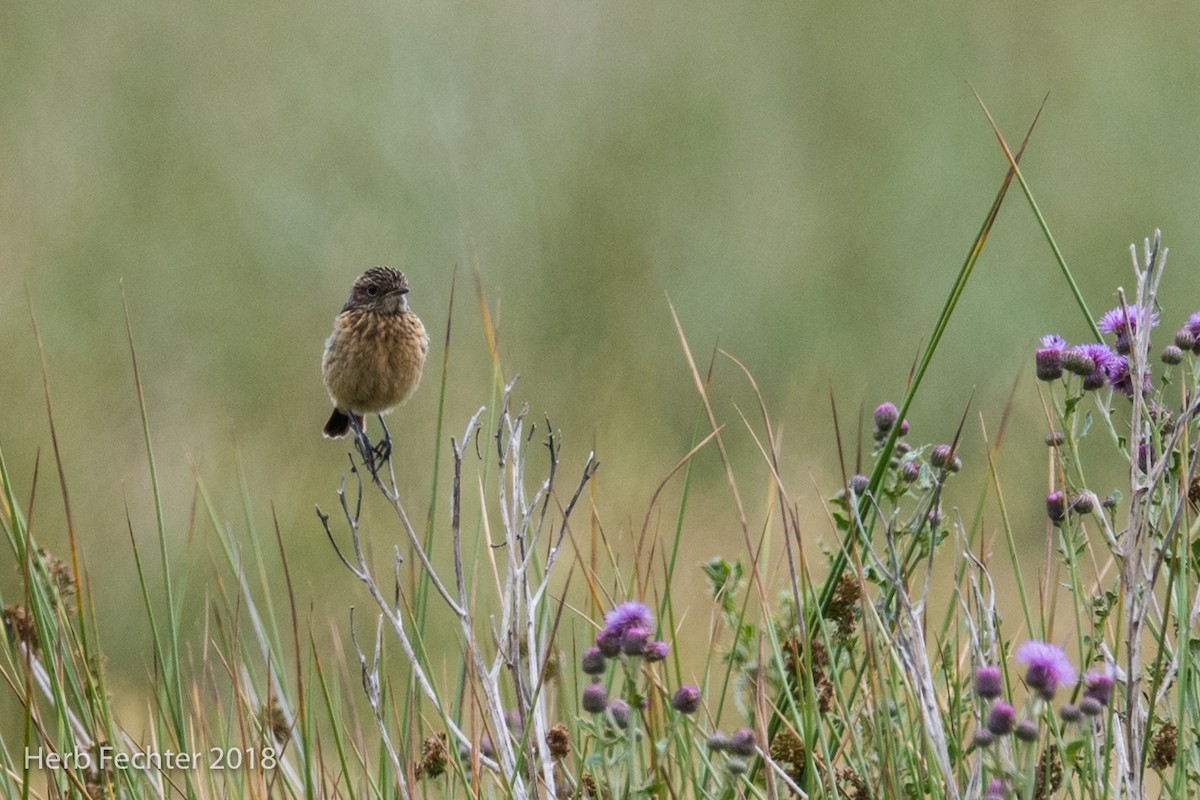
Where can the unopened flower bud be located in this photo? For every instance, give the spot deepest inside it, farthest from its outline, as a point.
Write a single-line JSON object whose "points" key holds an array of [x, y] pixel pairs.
{"points": [[1098, 685], [1048, 363], [941, 455], [634, 641], [886, 415], [595, 699], [1056, 506], [736, 766], [1026, 730], [686, 699], [619, 710], [988, 682], [1084, 503], [996, 790], [743, 742], [1078, 361], [718, 742], [656, 651], [592, 661], [1001, 719], [608, 642]]}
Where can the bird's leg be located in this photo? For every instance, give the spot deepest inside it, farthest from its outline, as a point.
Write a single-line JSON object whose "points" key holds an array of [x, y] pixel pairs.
{"points": [[361, 442], [384, 448]]}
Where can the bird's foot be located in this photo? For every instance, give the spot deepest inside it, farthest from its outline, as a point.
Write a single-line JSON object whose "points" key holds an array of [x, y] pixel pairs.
{"points": [[384, 448]]}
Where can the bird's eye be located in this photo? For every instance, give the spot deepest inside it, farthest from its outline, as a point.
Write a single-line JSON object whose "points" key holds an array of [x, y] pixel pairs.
{"points": [[372, 290]]}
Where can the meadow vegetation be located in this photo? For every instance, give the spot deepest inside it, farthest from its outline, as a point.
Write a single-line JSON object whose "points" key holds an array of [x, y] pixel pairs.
{"points": [[888, 664]]}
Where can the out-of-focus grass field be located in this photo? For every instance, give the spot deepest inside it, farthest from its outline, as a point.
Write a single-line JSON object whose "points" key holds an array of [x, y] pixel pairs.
{"points": [[803, 181]]}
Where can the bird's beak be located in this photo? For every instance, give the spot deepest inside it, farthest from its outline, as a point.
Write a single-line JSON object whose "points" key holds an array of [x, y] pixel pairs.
{"points": [[402, 290]]}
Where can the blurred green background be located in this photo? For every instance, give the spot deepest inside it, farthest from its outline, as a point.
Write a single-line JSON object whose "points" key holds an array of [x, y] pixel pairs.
{"points": [[803, 180]]}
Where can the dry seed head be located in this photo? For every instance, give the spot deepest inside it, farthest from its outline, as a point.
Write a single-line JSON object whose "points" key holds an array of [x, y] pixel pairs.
{"points": [[1163, 746], [19, 625], [558, 738], [433, 757]]}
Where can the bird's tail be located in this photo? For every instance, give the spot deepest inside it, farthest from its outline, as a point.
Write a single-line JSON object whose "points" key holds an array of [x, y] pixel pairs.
{"points": [[339, 424]]}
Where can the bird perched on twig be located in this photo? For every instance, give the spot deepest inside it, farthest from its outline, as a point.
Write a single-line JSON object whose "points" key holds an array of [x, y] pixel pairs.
{"points": [[373, 358]]}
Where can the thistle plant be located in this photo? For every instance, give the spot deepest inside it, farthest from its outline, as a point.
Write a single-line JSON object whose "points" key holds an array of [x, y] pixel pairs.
{"points": [[1139, 627]]}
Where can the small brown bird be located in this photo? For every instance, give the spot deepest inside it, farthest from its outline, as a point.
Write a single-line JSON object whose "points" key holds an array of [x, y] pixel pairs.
{"points": [[374, 356]]}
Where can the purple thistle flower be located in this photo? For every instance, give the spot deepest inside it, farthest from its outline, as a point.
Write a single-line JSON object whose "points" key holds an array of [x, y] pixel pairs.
{"points": [[630, 614], [1117, 371], [910, 471], [1070, 713], [1101, 358], [656, 651], [1193, 324], [686, 699], [592, 661], [996, 790], [1098, 684], [988, 682], [1054, 341], [1185, 337], [1047, 667], [859, 484], [1002, 719], [595, 699], [1126, 320]]}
